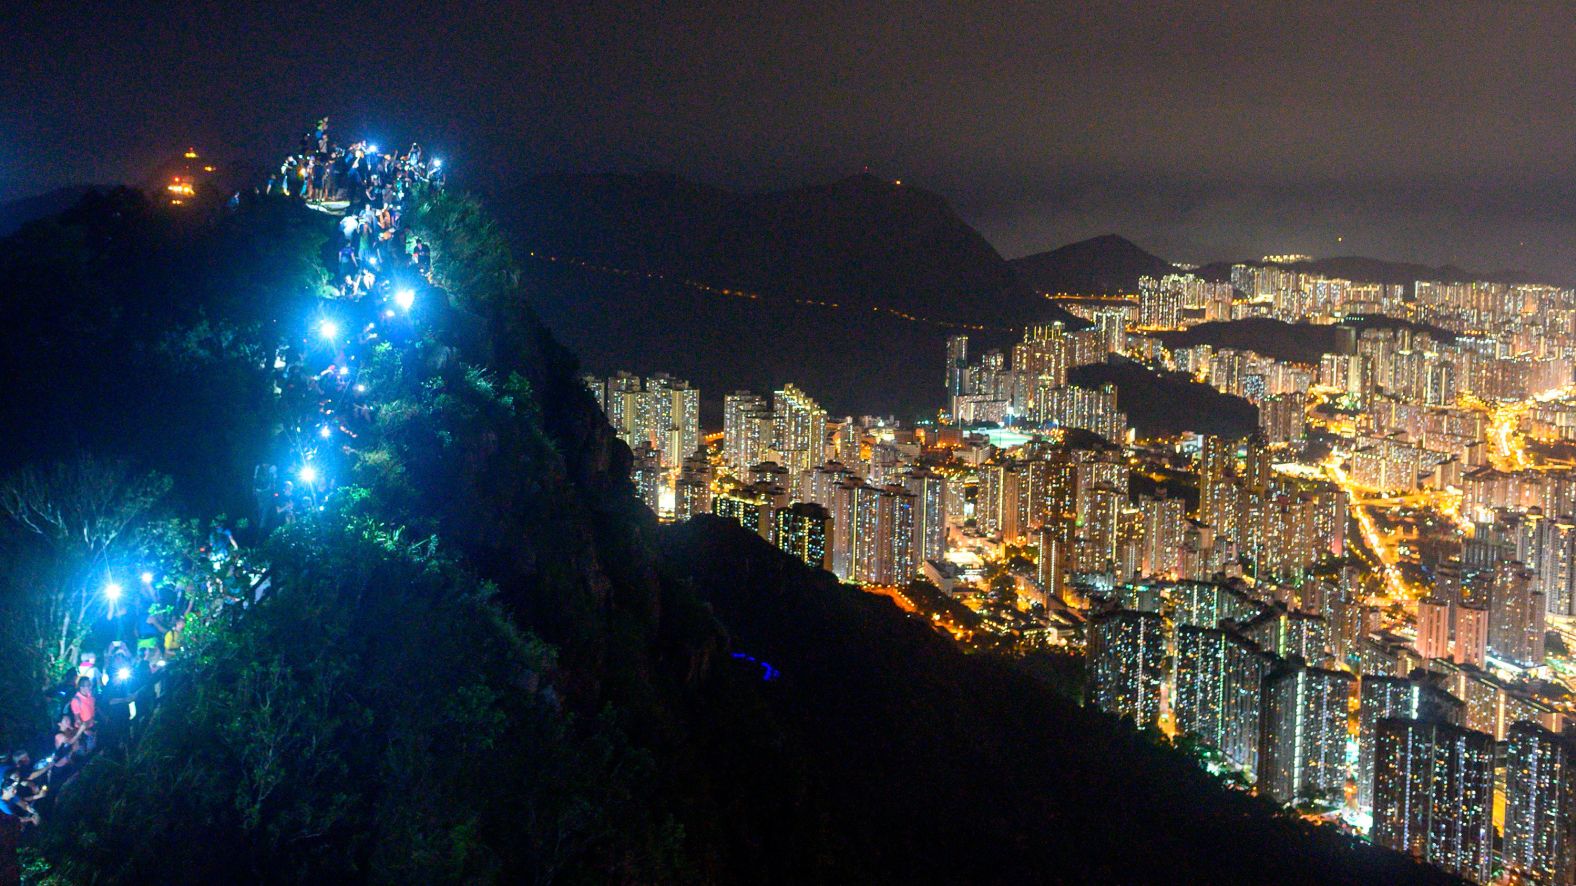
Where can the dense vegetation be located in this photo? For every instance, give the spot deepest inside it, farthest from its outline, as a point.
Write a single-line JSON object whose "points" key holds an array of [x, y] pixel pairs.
{"points": [[486, 662]]}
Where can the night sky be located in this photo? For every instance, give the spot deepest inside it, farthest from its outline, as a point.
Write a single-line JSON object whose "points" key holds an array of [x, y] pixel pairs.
{"points": [[1422, 131]]}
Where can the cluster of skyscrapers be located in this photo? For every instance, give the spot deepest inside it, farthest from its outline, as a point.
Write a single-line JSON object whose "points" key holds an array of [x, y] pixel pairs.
{"points": [[1033, 390], [1355, 608], [1202, 660]]}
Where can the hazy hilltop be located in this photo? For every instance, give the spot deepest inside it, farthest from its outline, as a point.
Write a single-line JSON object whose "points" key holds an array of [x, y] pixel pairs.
{"points": [[845, 288], [865, 239], [1107, 264], [16, 213]]}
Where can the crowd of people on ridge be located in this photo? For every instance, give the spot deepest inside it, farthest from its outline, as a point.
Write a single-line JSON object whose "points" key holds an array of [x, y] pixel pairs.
{"points": [[326, 409]]}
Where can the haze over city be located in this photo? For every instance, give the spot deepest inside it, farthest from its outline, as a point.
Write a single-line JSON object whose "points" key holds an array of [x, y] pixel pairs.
{"points": [[1433, 132]]}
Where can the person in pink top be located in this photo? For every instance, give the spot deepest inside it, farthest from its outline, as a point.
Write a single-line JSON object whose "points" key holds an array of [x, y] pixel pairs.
{"points": [[85, 708]]}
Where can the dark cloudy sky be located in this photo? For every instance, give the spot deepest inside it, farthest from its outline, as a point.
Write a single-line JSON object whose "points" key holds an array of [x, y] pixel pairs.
{"points": [[1427, 131]]}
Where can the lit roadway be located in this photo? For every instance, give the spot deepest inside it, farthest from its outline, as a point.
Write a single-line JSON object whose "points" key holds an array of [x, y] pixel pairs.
{"points": [[1393, 582]]}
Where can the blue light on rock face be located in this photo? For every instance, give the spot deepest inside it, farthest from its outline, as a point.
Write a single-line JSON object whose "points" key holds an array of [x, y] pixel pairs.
{"points": [[768, 673]]}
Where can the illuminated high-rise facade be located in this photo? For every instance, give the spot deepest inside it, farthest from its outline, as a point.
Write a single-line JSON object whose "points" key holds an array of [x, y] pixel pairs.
{"points": [[799, 426], [1516, 616], [805, 531], [873, 533], [1540, 805], [1434, 795], [930, 514], [1164, 521], [957, 370], [1302, 742], [1218, 682], [746, 430], [1387, 697], [1126, 655]]}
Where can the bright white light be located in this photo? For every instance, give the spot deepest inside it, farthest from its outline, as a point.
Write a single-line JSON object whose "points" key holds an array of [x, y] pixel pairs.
{"points": [[324, 432], [372, 149], [436, 163], [123, 674], [405, 298], [307, 475], [361, 389], [328, 329], [112, 591], [147, 578]]}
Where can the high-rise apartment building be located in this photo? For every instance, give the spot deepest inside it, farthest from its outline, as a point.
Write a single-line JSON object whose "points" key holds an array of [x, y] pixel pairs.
{"points": [[804, 530], [1218, 684], [799, 429], [746, 429], [1516, 615], [1540, 805], [1126, 655], [1413, 698], [1302, 746], [1434, 795]]}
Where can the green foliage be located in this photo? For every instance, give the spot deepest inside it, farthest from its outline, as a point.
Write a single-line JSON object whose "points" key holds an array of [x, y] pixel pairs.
{"points": [[471, 258], [65, 531], [374, 717]]}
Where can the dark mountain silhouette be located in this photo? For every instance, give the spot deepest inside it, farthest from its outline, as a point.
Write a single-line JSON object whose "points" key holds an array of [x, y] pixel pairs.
{"points": [[1293, 342], [16, 213], [1100, 265], [1168, 403], [877, 274]]}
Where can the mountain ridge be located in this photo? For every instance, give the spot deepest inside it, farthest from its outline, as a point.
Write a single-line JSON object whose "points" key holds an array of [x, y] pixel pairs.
{"points": [[1109, 264], [756, 288]]}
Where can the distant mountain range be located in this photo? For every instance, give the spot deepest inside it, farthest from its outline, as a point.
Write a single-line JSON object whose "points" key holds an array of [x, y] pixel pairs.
{"points": [[848, 289], [1111, 264], [862, 238]]}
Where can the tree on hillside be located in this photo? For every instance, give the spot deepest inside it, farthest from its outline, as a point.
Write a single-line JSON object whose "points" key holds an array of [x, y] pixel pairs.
{"points": [[73, 534]]}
